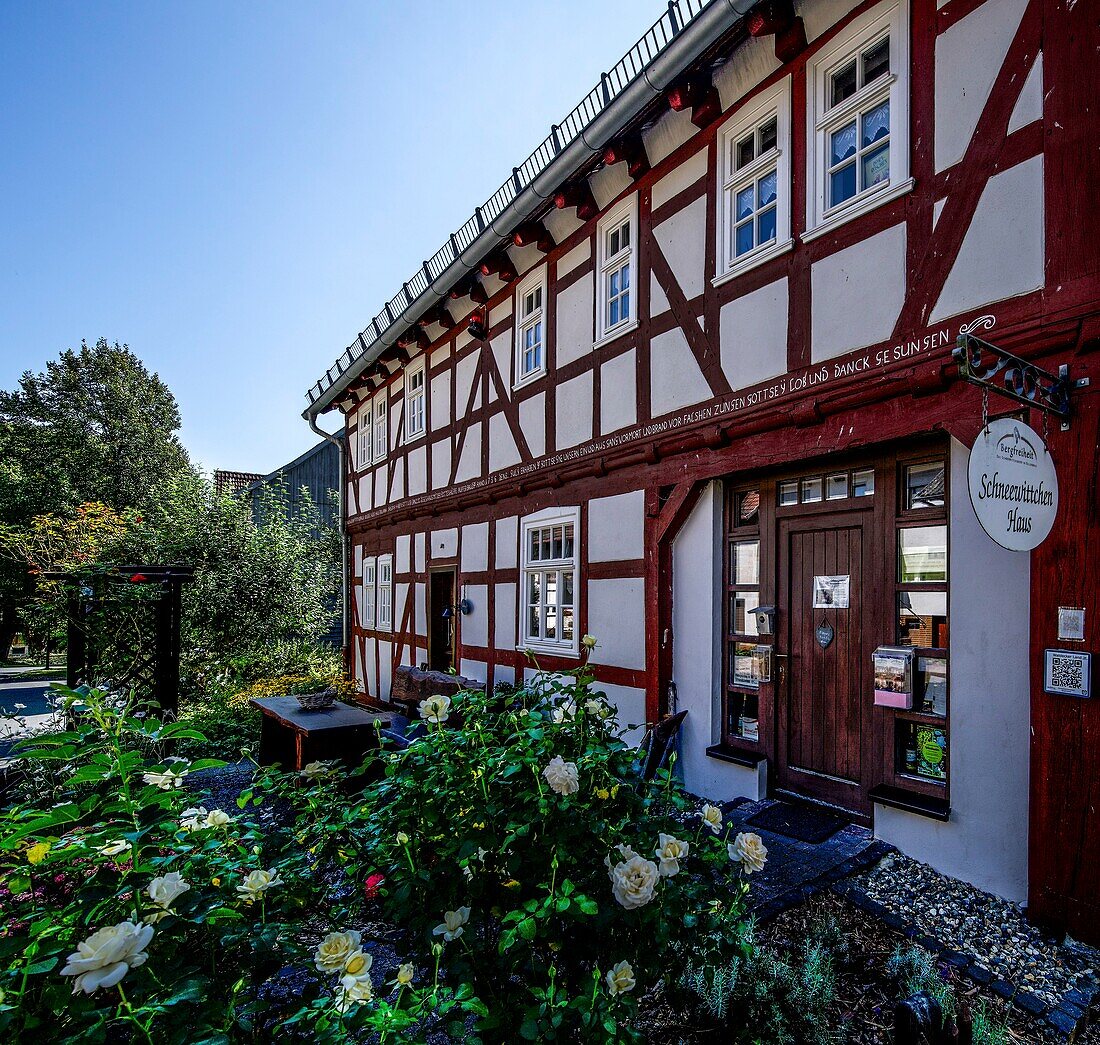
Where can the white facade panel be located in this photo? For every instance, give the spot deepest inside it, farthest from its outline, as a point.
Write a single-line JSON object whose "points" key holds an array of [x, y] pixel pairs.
{"points": [[675, 378], [532, 419], [475, 547], [575, 316], [753, 335], [441, 462], [507, 543], [618, 392], [444, 544], [679, 178], [469, 461], [475, 624], [683, 243], [504, 619], [574, 411], [615, 527], [402, 553], [503, 452], [616, 616], [1029, 106], [574, 258], [418, 470], [857, 294]]}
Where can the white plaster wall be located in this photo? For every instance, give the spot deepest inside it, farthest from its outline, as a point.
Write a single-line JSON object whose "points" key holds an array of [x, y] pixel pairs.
{"points": [[1000, 258], [616, 610], [968, 57], [658, 302], [630, 704], [441, 463], [400, 598], [753, 335], [475, 625], [667, 135], [820, 15], [504, 618], [507, 543], [360, 676], [561, 224], [857, 294], [1029, 106], [574, 411], [475, 547], [679, 178], [618, 393], [753, 60], [385, 671], [524, 258], [444, 544], [683, 243], [472, 669], [366, 489], [575, 317], [615, 526], [370, 672], [577, 256], [502, 354], [608, 182], [469, 463], [464, 376], [397, 489], [402, 557], [418, 470], [419, 540], [532, 419], [675, 379], [502, 310], [503, 452], [697, 653], [420, 609], [985, 841]]}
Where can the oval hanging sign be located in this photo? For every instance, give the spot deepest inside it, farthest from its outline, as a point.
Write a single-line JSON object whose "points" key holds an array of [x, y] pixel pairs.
{"points": [[1013, 484]]}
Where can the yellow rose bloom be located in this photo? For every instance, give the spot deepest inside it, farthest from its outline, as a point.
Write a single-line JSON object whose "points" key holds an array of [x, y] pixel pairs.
{"points": [[37, 853]]}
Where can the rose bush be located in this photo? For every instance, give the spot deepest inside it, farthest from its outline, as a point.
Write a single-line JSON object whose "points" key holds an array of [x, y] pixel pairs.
{"points": [[517, 845]]}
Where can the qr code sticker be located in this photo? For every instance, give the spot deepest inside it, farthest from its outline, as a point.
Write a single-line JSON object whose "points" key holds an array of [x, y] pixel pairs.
{"points": [[1067, 673]]}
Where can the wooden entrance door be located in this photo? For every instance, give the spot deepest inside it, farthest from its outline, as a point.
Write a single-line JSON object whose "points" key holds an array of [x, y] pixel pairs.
{"points": [[441, 620], [824, 712]]}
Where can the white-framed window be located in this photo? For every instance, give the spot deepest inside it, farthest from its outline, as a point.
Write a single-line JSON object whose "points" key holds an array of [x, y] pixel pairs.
{"points": [[550, 574], [416, 395], [366, 434], [385, 593], [754, 189], [531, 326], [368, 593], [381, 428], [859, 118], [616, 250]]}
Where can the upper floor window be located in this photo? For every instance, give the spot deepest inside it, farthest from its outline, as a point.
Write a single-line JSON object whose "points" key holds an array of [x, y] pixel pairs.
{"points": [[548, 605], [381, 428], [368, 593], [860, 117], [616, 246], [365, 436], [415, 400], [385, 593], [531, 326], [755, 171]]}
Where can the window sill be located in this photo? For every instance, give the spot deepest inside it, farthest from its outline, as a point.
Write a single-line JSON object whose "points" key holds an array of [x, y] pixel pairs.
{"points": [[530, 379], [410, 439], [911, 802], [572, 652], [735, 756], [613, 335], [864, 206], [750, 263]]}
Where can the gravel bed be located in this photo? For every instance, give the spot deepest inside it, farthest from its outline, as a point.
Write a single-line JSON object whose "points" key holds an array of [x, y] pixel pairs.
{"points": [[992, 931]]}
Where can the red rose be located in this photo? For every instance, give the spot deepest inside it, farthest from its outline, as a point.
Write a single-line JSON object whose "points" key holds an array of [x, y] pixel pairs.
{"points": [[374, 883], [138, 578]]}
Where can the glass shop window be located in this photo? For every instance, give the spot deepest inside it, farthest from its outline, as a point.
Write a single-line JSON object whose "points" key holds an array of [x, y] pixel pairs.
{"points": [[746, 663]]}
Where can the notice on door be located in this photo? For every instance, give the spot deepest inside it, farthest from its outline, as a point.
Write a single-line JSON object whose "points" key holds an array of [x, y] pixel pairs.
{"points": [[831, 593]]}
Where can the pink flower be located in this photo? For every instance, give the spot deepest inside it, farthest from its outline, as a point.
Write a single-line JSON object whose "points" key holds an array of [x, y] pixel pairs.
{"points": [[373, 885]]}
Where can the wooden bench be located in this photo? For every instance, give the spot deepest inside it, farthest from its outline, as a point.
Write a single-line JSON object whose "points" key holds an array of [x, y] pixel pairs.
{"points": [[293, 738]]}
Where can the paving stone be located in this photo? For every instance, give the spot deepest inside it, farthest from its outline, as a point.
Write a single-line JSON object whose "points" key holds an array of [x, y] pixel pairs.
{"points": [[1002, 987], [1031, 1003], [1063, 1021]]}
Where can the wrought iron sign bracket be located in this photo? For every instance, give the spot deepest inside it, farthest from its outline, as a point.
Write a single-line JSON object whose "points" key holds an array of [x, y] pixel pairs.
{"points": [[992, 368]]}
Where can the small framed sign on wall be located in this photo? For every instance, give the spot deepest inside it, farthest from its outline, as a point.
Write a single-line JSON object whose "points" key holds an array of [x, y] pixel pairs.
{"points": [[1068, 672]]}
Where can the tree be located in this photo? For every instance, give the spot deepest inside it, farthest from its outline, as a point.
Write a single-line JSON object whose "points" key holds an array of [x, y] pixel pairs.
{"points": [[96, 426]]}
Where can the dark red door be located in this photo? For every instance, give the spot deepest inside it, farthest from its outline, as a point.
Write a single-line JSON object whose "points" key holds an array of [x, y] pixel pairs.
{"points": [[824, 726]]}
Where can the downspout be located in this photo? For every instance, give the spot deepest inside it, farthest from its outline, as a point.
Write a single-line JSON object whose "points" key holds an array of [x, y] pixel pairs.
{"points": [[345, 544]]}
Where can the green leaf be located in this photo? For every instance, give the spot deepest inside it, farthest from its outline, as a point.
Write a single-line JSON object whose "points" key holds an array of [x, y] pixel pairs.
{"points": [[527, 928]]}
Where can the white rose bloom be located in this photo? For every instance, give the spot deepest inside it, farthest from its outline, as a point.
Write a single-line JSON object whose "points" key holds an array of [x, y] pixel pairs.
{"points": [[669, 852], [435, 709], [358, 964], [562, 776], [107, 955], [318, 770], [712, 818], [257, 883], [588, 642], [218, 818], [194, 819], [749, 851], [597, 707], [116, 847], [353, 990], [451, 926], [169, 780], [335, 949], [620, 979], [625, 852], [634, 881], [405, 974], [165, 890]]}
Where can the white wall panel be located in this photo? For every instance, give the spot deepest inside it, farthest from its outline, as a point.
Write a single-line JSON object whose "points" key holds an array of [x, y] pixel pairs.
{"points": [[441, 400], [753, 60], [615, 527], [575, 317], [616, 616], [504, 619], [1029, 106], [418, 469], [667, 135], [753, 335], [402, 553], [532, 419], [475, 625], [507, 543], [441, 462], [503, 452], [444, 543], [572, 258], [469, 462], [857, 294], [608, 182], [574, 411], [679, 178], [683, 243], [475, 547], [618, 392], [675, 378]]}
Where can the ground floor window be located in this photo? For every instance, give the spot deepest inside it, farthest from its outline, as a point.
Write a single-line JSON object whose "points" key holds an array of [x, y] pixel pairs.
{"points": [[548, 612]]}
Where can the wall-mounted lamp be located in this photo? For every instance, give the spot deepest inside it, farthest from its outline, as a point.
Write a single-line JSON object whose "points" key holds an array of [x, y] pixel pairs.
{"points": [[463, 606]]}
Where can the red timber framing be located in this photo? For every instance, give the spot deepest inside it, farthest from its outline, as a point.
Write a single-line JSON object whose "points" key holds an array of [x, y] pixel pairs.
{"points": [[815, 410]]}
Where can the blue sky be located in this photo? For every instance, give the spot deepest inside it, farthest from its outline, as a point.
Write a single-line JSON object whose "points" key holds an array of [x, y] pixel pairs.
{"points": [[235, 189]]}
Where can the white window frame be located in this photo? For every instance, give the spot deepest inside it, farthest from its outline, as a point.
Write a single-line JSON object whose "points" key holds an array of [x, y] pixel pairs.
{"points": [[535, 281], [890, 18], [380, 437], [416, 401], [366, 436], [608, 264], [774, 103], [369, 567], [384, 617], [549, 518]]}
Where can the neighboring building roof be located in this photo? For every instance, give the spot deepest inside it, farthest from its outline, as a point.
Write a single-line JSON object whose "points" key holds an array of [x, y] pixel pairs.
{"points": [[234, 482], [679, 37]]}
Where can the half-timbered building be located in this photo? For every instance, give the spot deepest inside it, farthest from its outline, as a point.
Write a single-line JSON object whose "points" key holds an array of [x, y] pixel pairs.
{"points": [[685, 383]]}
